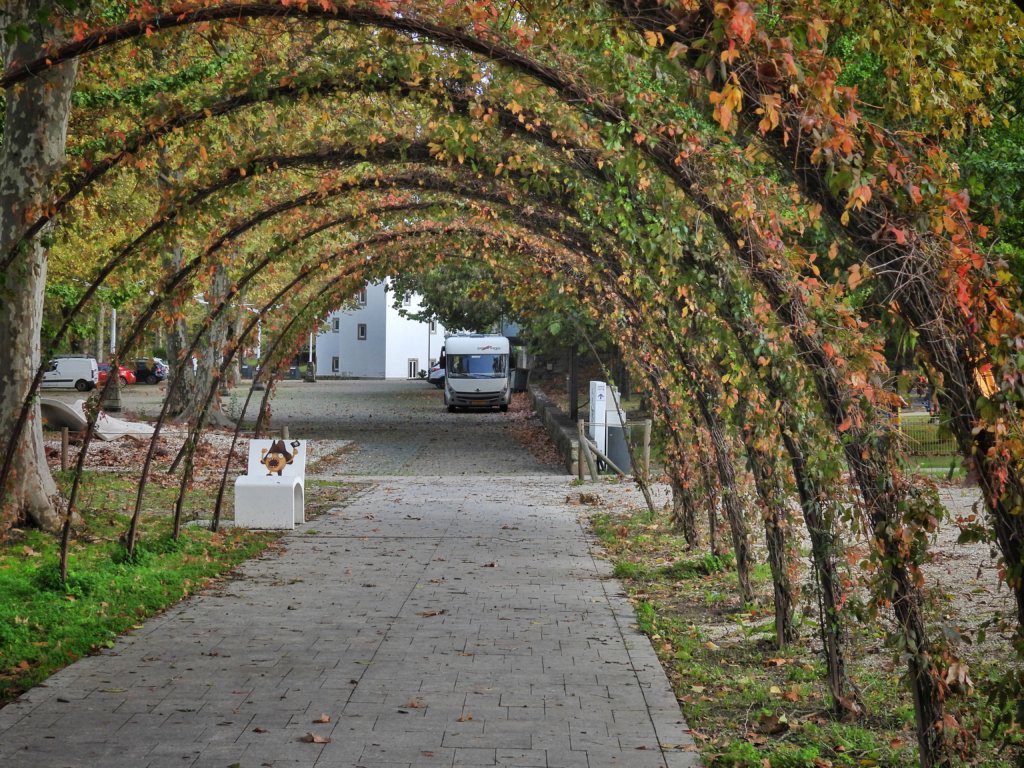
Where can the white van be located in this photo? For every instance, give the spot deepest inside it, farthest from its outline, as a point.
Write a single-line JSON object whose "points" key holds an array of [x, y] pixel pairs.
{"points": [[476, 371], [76, 371]]}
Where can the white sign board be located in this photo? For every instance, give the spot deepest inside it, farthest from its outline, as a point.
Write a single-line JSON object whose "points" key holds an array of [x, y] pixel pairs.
{"points": [[598, 414], [613, 414], [277, 458]]}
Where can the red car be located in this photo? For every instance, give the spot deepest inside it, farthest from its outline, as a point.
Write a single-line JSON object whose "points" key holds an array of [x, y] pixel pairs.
{"points": [[127, 375]]}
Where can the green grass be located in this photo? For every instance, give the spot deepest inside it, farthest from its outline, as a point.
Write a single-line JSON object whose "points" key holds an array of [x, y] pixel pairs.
{"points": [[46, 624], [749, 704], [939, 467]]}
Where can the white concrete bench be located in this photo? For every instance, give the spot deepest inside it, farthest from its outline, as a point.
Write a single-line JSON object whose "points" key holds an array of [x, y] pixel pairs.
{"points": [[272, 492]]}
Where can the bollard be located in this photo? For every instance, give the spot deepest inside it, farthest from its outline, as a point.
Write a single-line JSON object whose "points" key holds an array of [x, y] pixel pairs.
{"points": [[284, 433]]}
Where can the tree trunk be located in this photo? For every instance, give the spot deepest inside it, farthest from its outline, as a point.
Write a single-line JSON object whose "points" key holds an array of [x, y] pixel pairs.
{"points": [[684, 507], [234, 376], [101, 319], [824, 553], [35, 132], [731, 503], [707, 474], [210, 355], [184, 394], [777, 524]]}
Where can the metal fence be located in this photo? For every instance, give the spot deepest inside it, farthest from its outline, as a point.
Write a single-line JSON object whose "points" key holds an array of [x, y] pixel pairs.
{"points": [[927, 438]]}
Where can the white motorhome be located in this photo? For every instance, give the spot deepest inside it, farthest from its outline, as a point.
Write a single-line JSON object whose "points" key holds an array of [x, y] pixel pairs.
{"points": [[476, 371], [76, 371]]}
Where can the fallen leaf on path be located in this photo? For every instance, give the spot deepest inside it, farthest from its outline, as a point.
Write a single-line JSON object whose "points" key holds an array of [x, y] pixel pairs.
{"points": [[312, 738], [257, 729], [464, 719], [324, 718], [428, 614]]}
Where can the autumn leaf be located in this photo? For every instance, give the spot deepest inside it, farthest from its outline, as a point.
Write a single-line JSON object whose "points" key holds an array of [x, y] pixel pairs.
{"points": [[312, 738], [742, 23]]}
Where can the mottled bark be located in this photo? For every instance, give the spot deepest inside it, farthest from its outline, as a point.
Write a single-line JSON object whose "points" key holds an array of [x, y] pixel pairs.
{"points": [[35, 132], [183, 395], [234, 375], [210, 354]]}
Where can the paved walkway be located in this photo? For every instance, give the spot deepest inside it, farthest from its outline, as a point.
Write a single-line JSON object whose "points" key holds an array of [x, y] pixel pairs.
{"points": [[402, 428], [445, 620]]}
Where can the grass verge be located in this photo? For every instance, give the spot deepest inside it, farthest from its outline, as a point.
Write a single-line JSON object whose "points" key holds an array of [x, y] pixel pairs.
{"points": [[749, 704], [46, 624]]}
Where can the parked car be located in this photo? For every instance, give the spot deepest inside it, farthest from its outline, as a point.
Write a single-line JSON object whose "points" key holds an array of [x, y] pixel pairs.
{"points": [[151, 370], [76, 371], [436, 376], [126, 375]]}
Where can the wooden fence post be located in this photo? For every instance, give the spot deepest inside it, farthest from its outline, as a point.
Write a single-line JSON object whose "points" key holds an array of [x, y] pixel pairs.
{"points": [[585, 448]]}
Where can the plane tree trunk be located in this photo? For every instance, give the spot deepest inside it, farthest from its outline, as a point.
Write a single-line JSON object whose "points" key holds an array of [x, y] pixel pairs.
{"points": [[35, 133]]}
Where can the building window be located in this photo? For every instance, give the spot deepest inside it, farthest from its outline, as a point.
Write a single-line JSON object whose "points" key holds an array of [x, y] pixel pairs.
{"points": [[336, 324], [335, 364], [433, 326], [361, 297], [407, 300], [414, 367], [361, 331]]}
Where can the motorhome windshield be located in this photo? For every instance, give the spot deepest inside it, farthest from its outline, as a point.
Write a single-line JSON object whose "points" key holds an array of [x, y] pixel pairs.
{"points": [[477, 366]]}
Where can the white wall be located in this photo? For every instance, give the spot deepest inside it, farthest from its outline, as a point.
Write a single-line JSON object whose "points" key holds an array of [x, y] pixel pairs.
{"points": [[391, 340], [408, 339], [363, 359]]}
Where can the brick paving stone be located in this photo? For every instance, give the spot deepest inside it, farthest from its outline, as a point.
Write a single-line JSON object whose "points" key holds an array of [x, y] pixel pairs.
{"points": [[440, 619]]}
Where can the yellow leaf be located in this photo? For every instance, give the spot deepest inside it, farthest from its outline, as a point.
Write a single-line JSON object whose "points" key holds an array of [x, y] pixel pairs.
{"points": [[654, 39]]}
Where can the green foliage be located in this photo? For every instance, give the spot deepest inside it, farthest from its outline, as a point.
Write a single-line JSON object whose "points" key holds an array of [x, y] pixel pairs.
{"points": [[139, 93], [460, 294]]}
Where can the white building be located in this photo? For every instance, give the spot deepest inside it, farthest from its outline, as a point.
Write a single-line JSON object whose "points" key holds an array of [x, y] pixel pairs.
{"points": [[373, 341]]}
